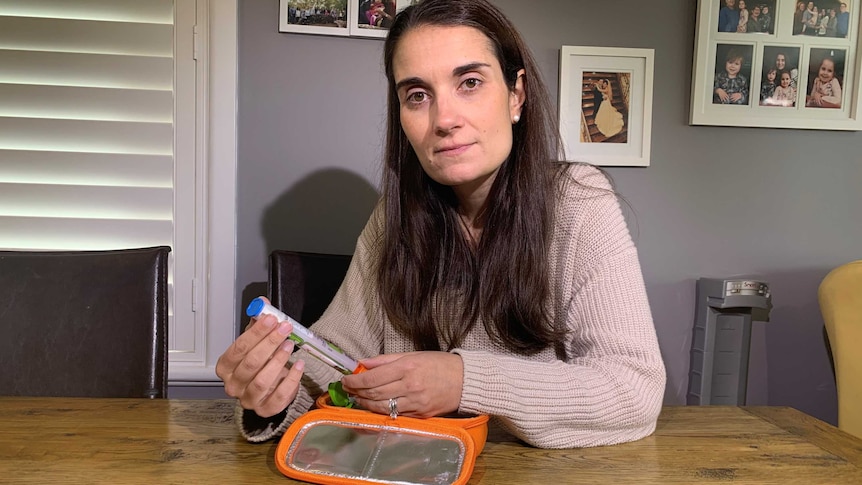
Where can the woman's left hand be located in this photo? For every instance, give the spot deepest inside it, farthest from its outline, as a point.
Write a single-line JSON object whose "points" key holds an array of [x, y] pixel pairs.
{"points": [[424, 384]]}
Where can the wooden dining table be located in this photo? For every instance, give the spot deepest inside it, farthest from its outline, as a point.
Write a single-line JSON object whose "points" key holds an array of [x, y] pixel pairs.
{"points": [[137, 441]]}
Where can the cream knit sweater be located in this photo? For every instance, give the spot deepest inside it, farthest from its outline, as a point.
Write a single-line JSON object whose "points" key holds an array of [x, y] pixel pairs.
{"points": [[610, 386]]}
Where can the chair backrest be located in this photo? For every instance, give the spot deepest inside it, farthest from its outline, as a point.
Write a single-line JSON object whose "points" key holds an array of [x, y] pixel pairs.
{"points": [[84, 323], [840, 296], [303, 284]]}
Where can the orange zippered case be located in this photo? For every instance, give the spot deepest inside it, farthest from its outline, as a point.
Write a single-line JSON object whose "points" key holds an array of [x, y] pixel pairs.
{"points": [[341, 446]]}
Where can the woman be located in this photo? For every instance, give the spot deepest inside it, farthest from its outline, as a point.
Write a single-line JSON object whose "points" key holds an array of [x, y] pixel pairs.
{"points": [[832, 24], [609, 121], [810, 18], [799, 18], [489, 279]]}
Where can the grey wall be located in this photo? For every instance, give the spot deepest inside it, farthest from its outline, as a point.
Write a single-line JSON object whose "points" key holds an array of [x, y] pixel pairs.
{"points": [[781, 205]]}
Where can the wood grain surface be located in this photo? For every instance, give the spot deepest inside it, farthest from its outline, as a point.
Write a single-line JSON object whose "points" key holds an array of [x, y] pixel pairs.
{"points": [[127, 441]]}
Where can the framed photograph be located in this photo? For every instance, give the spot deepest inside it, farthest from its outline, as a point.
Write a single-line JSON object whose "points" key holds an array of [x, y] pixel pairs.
{"points": [[778, 64], [322, 17], [606, 104], [372, 18]]}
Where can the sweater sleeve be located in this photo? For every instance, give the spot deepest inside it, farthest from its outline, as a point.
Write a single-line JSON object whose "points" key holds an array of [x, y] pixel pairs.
{"points": [[352, 322], [835, 98], [610, 386]]}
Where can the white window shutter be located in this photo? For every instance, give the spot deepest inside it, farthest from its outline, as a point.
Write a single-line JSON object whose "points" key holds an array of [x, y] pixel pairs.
{"points": [[89, 152]]}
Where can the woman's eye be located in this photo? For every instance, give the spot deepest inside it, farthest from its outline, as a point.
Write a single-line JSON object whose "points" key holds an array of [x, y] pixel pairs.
{"points": [[472, 83], [416, 97]]}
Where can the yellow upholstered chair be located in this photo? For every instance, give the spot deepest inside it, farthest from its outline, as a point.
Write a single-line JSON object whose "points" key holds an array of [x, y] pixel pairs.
{"points": [[840, 297]]}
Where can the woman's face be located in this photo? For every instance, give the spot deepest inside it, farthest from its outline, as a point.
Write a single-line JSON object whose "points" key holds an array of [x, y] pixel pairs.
{"points": [[780, 61], [456, 109]]}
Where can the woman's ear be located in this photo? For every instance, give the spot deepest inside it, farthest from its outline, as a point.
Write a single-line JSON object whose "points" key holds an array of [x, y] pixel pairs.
{"points": [[517, 96]]}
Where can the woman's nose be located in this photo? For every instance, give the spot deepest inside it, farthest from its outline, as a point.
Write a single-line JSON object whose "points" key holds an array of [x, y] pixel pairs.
{"points": [[447, 115]]}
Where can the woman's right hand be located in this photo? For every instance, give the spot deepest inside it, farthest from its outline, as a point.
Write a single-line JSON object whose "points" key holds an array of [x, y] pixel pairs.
{"points": [[254, 368]]}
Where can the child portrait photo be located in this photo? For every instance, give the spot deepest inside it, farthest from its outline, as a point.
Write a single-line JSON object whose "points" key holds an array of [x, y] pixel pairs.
{"points": [[825, 78], [731, 83]]}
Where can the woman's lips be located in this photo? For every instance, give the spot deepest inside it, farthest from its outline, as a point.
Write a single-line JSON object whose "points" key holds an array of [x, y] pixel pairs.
{"points": [[453, 150]]}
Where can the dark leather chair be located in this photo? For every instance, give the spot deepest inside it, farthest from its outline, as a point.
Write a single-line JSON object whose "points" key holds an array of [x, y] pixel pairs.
{"points": [[84, 323], [303, 284]]}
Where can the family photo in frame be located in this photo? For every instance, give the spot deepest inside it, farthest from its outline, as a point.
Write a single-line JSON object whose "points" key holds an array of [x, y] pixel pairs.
{"points": [[322, 17], [777, 63], [353, 18], [374, 17], [779, 76], [747, 17]]}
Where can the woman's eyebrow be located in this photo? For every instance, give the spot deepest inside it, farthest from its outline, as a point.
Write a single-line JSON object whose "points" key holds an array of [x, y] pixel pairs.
{"points": [[458, 71], [410, 81], [473, 66]]}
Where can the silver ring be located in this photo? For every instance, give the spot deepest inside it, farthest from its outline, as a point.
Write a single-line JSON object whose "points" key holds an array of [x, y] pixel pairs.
{"points": [[393, 407]]}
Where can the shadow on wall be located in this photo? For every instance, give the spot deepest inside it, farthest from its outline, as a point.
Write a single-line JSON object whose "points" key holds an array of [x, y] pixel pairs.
{"points": [[673, 321], [798, 361], [322, 213]]}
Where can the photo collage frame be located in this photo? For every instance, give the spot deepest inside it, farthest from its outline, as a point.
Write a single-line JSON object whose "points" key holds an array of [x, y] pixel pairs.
{"points": [[777, 63]]}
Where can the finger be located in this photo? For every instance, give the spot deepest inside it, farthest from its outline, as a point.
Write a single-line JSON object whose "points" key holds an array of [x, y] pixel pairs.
{"points": [[366, 380], [381, 359], [256, 331], [256, 358], [382, 406], [284, 392], [378, 393], [369, 382], [237, 351], [264, 382]]}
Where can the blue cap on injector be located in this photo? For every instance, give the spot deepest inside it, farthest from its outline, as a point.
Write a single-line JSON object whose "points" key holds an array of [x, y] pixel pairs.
{"points": [[255, 307]]}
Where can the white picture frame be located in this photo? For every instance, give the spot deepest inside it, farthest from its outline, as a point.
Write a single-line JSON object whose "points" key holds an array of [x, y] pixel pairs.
{"points": [[620, 134], [295, 18], [789, 43], [365, 24]]}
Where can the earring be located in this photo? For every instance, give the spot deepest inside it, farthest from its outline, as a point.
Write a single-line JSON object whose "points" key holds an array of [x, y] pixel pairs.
{"points": [[516, 118]]}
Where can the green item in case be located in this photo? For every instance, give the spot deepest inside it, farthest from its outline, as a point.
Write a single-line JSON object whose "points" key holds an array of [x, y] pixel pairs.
{"points": [[339, 397]]}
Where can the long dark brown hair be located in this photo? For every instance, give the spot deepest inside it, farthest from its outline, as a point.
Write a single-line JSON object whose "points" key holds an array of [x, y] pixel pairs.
{"points": [[428, 272]]}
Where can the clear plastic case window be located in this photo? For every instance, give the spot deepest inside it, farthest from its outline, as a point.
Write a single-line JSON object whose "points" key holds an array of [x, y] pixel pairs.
{"points": [[377, 453]]}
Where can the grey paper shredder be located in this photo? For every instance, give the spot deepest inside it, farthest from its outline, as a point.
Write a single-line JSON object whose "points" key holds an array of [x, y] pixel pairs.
{"points": [[718, 372]]}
